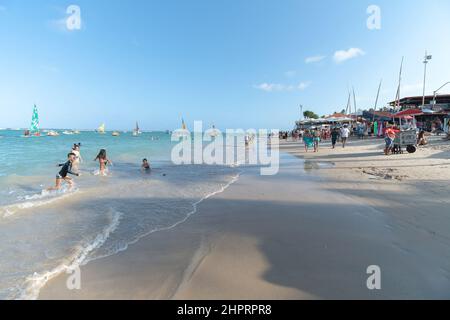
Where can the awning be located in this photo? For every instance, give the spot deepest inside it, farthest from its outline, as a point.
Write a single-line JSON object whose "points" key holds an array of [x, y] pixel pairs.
{"points": [[408, 112]]}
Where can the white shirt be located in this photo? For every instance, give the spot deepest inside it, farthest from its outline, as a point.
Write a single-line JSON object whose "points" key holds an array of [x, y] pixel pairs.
{"points": [[345, 132]]}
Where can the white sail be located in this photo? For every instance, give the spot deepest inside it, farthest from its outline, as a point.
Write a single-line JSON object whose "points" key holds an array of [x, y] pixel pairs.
{"points": [[101, 129]]}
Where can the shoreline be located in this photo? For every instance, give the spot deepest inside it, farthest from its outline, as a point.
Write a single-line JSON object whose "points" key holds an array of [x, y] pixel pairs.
{"points": [[307, 233]]}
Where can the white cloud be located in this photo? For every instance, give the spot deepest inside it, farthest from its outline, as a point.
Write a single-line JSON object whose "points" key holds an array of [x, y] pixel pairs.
{"points": [[314, 59], [270, 87], [343, 55], [279, 87], [58, 25], [290, 73], [303, 85]]}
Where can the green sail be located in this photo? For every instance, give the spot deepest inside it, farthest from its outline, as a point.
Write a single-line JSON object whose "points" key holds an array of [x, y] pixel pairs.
{"points": [[34, 128]]}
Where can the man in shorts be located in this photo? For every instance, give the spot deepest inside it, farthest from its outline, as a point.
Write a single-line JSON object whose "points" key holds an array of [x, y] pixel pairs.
{"points": [[345, 133]]}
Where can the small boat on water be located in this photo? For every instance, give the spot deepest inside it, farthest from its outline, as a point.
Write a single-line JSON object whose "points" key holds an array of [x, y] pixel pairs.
{"points": [[101, 129], [136, 131], [52, 133], [68, 133], [116, 134], [183, 132], [76, 132], [34, 128]]}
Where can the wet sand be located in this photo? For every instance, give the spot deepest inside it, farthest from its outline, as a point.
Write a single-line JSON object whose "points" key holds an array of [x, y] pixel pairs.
{"points": [[309, 232]]}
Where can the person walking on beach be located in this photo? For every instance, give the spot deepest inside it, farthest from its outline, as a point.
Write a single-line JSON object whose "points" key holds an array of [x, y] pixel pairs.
{"points": [[65, 170], [316, 140], [103, 161], [335, 134], [308, 140], [345, 133]]}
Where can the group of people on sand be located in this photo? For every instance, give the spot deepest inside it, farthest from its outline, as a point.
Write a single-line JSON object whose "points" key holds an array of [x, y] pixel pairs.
{"points": [[313, 137], [71, 166]]}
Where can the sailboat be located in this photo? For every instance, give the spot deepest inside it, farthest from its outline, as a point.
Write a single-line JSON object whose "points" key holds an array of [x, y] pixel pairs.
{"points": [[183, 132], [101, 129], [136, 131], [34, 128], [52, 133]]}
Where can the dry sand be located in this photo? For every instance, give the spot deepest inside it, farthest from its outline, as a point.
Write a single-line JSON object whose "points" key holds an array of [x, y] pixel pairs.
{"points": [[309, 232]]}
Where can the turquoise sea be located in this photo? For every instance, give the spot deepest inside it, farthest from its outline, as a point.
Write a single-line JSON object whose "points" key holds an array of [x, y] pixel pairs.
{"points": [[45, 233]]}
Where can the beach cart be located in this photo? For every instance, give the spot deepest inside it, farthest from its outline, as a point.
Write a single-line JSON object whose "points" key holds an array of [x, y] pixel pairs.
{"points": [[405, 139]]}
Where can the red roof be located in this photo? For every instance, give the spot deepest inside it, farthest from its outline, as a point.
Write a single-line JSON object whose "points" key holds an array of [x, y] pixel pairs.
{"points": [[337, 115], [409, 112]]}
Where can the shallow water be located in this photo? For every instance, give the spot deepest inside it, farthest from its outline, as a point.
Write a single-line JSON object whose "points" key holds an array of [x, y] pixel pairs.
{"points": [[44, 234]]}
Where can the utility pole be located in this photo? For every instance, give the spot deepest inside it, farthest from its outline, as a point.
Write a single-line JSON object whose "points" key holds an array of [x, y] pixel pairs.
{"points": [[425, 62]]}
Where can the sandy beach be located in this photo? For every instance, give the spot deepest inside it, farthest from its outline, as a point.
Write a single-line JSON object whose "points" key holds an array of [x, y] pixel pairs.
{"points": [[158, 151], [309, 232]]}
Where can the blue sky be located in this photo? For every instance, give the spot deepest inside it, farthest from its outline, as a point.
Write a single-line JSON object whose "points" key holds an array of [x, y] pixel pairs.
{"points": [[235, 63]]}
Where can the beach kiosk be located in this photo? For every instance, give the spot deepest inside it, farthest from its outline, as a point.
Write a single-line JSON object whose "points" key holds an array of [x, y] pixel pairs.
{"points": [[406, 138]]}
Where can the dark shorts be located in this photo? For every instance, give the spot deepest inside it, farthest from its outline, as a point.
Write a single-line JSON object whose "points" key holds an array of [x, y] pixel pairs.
{"points": [[389, 142]]}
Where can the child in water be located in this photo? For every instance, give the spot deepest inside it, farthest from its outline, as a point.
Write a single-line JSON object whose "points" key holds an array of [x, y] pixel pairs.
{"points": [[62, 175], [145, 166], [103, 161], [76, 163]]}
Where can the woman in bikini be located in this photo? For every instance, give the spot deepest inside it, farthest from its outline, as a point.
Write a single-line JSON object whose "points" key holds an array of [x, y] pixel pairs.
{"points": [[103, 161]]}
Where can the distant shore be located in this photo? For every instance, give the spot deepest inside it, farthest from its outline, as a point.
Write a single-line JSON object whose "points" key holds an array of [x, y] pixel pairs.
{"points": [[309, 232]]}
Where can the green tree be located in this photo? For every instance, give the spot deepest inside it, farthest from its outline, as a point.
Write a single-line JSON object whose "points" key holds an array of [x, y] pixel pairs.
{"points": [[310, 115]]}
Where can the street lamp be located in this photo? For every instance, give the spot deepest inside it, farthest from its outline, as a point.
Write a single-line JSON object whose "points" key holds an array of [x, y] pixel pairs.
{"points": [[425, 62], [436, 91]]}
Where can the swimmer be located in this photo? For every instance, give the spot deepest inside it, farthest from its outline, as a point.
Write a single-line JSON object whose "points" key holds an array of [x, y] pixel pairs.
{"points": [[103, 161], [65, 170], [145, 167]]}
